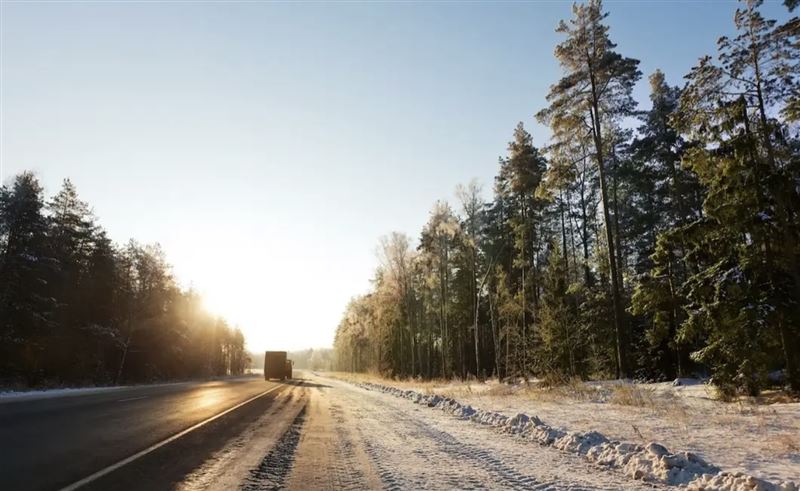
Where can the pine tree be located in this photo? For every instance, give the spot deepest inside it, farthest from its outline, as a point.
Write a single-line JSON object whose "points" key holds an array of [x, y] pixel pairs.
{"points": [[595, 90], [523, 170], [472, 208], [667, 196], [744, 250], [437, 242], [396, 262], [26, 310], [527, 167], [560, 350], [71, 232], [497, 244]]}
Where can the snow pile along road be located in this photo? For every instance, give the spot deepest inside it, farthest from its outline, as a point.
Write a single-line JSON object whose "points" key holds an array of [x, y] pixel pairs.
{"points": [[651, 462]]}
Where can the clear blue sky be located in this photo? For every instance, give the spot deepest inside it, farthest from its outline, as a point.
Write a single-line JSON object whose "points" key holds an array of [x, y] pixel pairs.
{"points": [[267, 146]]}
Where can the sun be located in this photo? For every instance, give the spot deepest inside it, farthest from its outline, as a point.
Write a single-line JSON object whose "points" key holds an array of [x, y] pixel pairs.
{"points": [[239, 305], [265, 292], [229, 288]]}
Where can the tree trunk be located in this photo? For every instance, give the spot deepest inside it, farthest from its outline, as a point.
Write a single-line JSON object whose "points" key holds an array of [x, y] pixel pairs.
{"points": [[524, 291], [585, 230], [476, 300], [495, 337], [125, 350], [622, 366], [564, 251]]}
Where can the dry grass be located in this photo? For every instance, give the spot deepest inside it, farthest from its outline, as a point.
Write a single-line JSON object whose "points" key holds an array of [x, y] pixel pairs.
{"points": [[676, 410], [632, 395], [501, 390], [776, 397], [787, 444], [571, 389], [664, 404], [353, 377], [679, 412], [438, 386]]}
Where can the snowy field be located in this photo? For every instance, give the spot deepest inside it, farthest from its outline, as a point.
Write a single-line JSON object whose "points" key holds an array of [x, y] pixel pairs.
{"points": [[757, 438]]}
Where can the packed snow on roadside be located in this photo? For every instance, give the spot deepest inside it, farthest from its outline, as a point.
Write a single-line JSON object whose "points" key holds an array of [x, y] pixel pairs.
{"points": [[756, 438], [46, 393], [9, 395], [594, 425]]}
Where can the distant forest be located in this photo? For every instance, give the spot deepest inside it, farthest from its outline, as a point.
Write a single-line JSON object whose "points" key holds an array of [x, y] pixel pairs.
{"points": [[77, 309], [307, 359], [313, 359], [651, 243]]}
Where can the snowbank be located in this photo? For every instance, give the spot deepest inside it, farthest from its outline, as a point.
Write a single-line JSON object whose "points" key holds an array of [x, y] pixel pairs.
{"points": [[46, 393], [651, 462], [7, 396]]}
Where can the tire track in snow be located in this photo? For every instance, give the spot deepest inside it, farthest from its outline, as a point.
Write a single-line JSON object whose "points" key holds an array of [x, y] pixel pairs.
{"points": [[275, 468], [436, 458], [451, 473], [348, 474]]}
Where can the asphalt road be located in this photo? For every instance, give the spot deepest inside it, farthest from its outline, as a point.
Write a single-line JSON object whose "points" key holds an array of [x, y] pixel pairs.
{"points": [[52, 442]]}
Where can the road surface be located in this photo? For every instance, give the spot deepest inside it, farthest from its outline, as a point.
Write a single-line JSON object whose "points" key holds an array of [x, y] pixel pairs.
{"points": [[311, 433]]}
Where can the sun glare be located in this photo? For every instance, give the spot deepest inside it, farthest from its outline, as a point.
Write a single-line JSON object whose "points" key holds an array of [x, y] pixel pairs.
{"points": [[237, 302], [256, 297]]}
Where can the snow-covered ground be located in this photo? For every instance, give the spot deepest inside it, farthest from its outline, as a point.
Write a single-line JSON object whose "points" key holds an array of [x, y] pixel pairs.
{"points": [[44, 393], [761, 440], [337, 431], [330, 434]]}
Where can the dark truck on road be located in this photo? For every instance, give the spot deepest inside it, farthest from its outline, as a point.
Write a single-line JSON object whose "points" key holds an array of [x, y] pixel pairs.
{"points": [[276, 365]]}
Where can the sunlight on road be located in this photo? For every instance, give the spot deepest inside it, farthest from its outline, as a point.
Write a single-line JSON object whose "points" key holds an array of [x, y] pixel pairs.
{"points": [[207, 398]]}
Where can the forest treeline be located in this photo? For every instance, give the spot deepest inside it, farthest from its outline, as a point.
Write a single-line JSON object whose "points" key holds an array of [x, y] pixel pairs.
{"points": [[77, 309], [312, 359], [639, 243], [307, 359]]}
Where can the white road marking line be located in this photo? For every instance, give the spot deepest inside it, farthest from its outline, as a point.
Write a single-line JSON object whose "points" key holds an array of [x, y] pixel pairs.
{"points": [[132, 399], [102, 472]]}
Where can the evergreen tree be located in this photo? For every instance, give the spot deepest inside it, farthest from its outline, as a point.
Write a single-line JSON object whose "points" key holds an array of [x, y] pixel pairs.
{"points": [[594, 92], [75, 309], [561, 341], [437, 242], [26, 309], [665, 196], [523, 170], [396, 263], [472, 209], [699, 228], [71, 234], [744, 250]]}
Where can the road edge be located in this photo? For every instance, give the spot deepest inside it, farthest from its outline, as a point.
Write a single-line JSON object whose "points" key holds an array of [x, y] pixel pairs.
{"points": [[108, 469]]}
